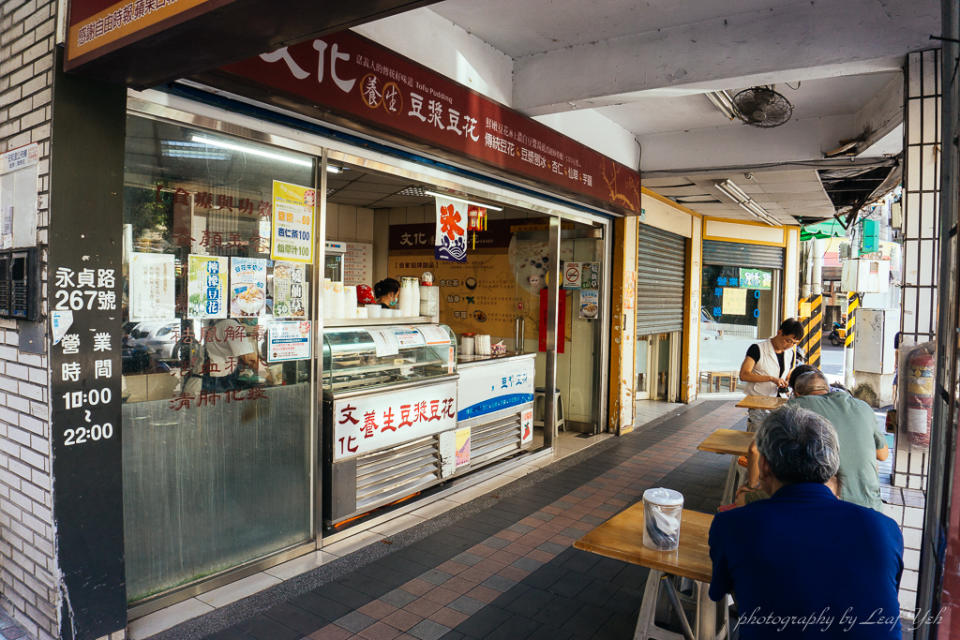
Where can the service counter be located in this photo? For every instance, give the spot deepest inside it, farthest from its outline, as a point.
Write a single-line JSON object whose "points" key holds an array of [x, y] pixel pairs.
{"points": [[403, 413]]}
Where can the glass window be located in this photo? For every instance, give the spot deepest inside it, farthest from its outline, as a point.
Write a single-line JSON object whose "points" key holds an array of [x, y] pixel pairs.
{"points": [[216, 376]]}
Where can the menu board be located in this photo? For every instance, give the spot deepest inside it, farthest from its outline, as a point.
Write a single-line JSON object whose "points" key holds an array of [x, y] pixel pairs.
{"points": [[293, 222], [248, 287], [207, 286], [358, 264], [289, 290], [152, 287]]}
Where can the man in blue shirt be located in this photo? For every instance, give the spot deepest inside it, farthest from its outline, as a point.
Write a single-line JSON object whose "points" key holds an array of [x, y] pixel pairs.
{"points": [[802, 563]]}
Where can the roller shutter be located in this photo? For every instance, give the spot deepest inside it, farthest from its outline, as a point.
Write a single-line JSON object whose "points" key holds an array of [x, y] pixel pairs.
{"points": [[661, 265], [742, 255]]}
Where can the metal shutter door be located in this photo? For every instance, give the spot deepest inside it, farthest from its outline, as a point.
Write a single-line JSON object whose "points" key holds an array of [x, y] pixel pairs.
{"points": [[661, 264], [734, 254]]}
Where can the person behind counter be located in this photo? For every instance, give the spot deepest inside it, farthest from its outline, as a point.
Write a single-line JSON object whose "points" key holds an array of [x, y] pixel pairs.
{"points": [[387, 292]]}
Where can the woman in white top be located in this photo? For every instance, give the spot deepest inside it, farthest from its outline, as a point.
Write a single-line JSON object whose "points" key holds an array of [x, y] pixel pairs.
{"points": [[767, 366]]}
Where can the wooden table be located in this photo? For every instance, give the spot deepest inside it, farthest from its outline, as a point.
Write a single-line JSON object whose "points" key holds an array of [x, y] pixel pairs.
{"points": [[732, 442], [714, 378], [621, 537], [762, 402]]}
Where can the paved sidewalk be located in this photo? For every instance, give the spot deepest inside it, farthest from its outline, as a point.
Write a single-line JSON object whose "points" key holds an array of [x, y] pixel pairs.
{"points": [[501, 566]]}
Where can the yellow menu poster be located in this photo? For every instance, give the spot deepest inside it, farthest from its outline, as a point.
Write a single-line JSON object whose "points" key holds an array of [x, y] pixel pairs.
{"points": [[293, 222]]}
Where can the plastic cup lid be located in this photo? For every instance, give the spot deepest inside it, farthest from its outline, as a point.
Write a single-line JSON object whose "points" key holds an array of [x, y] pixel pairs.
{"points": [[665, 497]]}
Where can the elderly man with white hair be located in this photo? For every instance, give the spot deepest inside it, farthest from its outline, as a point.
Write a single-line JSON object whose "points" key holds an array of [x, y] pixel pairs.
{"points": [[803, 563]]}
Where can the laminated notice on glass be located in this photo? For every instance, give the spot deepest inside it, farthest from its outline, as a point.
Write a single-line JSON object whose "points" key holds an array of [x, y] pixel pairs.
{"points": [[207, 286], [293, 222], [288, 341], [152, 287]]}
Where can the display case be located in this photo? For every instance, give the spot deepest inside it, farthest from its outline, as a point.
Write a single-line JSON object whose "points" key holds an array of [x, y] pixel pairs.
{"points": [[390, 410], [369, 357]]}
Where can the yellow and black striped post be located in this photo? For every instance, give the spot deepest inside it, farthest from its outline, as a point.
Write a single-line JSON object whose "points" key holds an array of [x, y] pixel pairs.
{"points": [[814, 331], [853, 301], [810, 312]]}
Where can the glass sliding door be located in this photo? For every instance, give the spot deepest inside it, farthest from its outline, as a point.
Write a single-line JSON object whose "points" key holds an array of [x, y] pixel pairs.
{"points": [[217, 416]]}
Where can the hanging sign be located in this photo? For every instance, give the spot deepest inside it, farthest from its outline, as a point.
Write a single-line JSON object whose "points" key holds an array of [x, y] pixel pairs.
{"points": [[293, 222], [451, 239], [248, 287], [207, 286]]}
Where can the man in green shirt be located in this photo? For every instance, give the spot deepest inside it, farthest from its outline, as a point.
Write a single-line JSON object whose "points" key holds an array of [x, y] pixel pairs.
{"points": [[861, 443]]}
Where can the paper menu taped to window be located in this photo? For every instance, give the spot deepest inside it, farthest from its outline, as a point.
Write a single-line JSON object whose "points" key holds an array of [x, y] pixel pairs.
{"points": [[734, 302], [434, 335], [385, 342]]}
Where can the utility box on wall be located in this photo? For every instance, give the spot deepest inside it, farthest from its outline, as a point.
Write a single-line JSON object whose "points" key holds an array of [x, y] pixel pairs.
{"points": [[873, 350], [865, 276]]}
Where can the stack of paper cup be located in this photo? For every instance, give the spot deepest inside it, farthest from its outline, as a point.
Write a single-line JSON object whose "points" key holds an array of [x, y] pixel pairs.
{"points": [[337, 301], [373, 310], [327, 299], [349, 301], [483, 344], [466, 345], [362, 313]]}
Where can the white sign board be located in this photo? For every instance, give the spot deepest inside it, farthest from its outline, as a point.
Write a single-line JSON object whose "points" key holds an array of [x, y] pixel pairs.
{"points": [[362, 424], [494, 386], [19, 190]]}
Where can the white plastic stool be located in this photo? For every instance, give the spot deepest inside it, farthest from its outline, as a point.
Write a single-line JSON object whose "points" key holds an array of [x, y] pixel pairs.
{"points": [[707, 627], [540, 407]]}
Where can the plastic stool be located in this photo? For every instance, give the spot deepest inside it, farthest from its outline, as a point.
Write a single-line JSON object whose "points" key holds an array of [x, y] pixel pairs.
{"points": [[540, 407]]}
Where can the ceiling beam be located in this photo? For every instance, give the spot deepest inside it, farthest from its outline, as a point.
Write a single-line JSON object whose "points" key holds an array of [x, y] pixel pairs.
{"points": [[798, 41]]}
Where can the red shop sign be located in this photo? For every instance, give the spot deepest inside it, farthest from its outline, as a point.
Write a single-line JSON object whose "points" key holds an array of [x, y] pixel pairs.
{"points": [[352, 76]]}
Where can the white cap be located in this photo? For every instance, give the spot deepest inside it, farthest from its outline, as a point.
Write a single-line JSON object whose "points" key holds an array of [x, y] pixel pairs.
{"points": [[664, 497]]}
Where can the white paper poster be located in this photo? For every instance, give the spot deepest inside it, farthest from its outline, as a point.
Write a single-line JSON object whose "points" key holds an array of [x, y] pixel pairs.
{"points": [[571, 275], [734, 302], [248, 287], [362, 424], [152, 287], [288, 341], [385, 342], [434, 335]]}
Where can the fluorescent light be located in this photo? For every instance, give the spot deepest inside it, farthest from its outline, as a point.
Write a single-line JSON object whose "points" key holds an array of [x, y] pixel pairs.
{"points": [[449, 197], [332, 168], [748, 204], [723, 102], [223, 144]]}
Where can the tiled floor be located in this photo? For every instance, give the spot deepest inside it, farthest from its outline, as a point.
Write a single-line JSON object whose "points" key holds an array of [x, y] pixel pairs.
{"points": [[500, 565]]}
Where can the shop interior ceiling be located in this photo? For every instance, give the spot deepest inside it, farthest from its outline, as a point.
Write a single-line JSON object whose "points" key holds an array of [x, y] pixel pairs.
{"points": [[675, 61]]}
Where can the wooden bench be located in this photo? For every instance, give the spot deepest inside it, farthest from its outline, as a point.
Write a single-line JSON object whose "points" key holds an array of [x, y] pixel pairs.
{"points": [[714, 378]]}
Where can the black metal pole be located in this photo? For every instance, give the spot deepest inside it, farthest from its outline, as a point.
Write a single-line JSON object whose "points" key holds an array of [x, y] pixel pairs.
{"points": [[943, 434]]}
